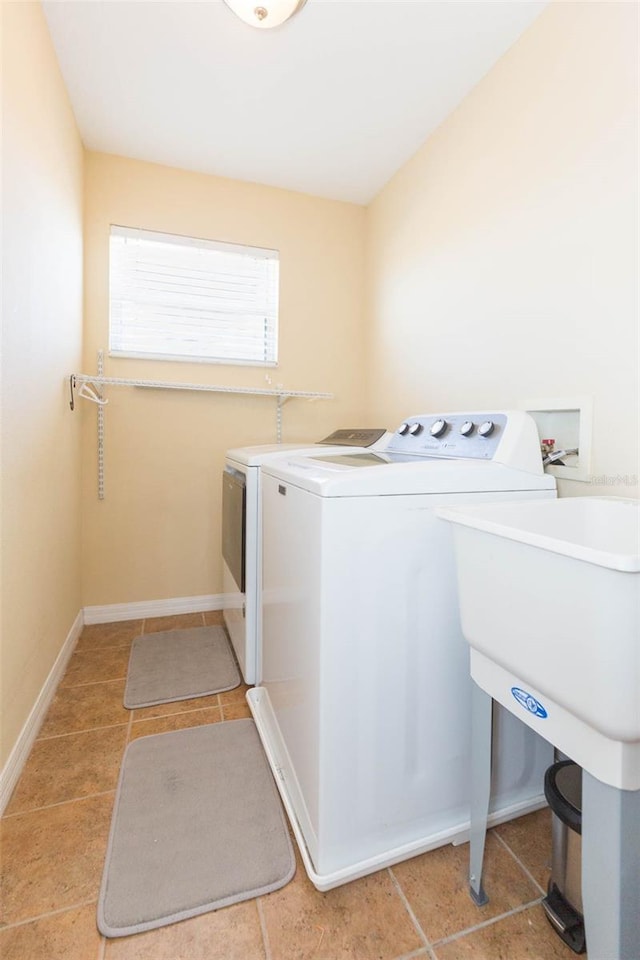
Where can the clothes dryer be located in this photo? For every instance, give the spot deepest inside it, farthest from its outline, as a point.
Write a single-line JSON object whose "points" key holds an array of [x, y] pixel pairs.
{"points": [[241, 533], [363, 708]]}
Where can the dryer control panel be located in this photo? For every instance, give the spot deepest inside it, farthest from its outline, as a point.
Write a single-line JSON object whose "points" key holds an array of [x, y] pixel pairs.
{"points": [[473, 436], [357, 437]]}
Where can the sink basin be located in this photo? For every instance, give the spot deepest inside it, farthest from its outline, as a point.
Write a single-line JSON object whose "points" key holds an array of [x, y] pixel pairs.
{"points": [[550, 606]]}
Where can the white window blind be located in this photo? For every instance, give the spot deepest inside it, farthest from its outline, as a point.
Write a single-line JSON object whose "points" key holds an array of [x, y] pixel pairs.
{"points": [[178, 298]]}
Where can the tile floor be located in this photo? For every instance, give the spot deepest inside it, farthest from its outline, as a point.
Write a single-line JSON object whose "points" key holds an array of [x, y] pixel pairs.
{"points": [[54, 834]]}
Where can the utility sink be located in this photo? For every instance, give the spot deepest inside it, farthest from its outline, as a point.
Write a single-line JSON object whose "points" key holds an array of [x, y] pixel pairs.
{"points": [[550, 606]]}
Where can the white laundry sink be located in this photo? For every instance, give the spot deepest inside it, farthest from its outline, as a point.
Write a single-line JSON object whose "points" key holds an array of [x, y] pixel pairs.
{"points": [[550, 606]]}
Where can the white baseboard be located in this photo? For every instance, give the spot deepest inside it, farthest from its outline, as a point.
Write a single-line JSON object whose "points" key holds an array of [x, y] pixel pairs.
{"points": [[13, 767], [142, 609]]}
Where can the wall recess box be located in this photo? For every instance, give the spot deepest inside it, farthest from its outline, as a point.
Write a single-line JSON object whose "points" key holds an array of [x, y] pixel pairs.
{"points": [[567, 421]]}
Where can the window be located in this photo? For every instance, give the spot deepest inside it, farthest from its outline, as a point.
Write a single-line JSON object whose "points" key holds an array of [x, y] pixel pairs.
{"points": [[178, 298]]}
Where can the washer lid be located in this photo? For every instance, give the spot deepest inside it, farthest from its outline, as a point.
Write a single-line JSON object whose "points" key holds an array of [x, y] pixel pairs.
{"points": [[369, 474], [256, 456], [261, 455]]}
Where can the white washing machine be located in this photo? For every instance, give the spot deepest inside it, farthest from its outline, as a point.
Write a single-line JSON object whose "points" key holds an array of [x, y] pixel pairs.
{"points": [[363, 708], [241, 534]]}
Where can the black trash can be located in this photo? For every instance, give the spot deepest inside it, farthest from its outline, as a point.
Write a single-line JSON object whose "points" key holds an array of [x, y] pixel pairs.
{"points": [[563, 903]]}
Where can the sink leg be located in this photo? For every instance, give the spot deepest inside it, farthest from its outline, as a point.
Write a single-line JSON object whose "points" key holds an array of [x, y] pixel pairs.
{"points": [[481, 730], [610, 870]]}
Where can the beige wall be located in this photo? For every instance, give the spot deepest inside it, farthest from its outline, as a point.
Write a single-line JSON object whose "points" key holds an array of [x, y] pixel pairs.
{"points": [[157, 532], [503, 257], [41, 342]]}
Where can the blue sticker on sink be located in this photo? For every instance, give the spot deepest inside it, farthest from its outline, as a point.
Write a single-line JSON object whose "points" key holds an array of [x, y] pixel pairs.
{"points": [[529, 702]]}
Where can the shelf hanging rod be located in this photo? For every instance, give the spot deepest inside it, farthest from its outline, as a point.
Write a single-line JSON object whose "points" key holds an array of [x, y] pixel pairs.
{"points": [[78, 379]]}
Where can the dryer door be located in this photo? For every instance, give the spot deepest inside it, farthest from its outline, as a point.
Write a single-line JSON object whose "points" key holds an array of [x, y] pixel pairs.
{"points": [[234, 523]]}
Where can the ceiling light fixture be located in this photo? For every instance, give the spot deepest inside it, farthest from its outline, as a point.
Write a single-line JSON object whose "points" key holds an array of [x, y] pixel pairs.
{"points": [[265, 13]]}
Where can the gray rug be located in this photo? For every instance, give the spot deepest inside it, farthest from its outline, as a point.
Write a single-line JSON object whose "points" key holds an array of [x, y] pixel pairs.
{"points": [[179, 665], [197, 825]]}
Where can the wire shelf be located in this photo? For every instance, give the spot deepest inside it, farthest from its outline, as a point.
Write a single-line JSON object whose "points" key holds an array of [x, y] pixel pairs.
{"points": [[93, 391]]}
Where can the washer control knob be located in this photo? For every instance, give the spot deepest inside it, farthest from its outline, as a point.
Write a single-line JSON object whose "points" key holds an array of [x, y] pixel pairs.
{"points": [[438, 427], [403, 429], [415, 429], [467, 428], [486, 429]]}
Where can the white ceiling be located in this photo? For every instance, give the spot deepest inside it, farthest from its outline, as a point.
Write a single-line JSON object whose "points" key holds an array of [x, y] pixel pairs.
{"points": [[331, 103]]}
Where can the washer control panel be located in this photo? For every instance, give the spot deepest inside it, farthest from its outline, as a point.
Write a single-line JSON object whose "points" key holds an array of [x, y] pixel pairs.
{"points": [[470, 435]]}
